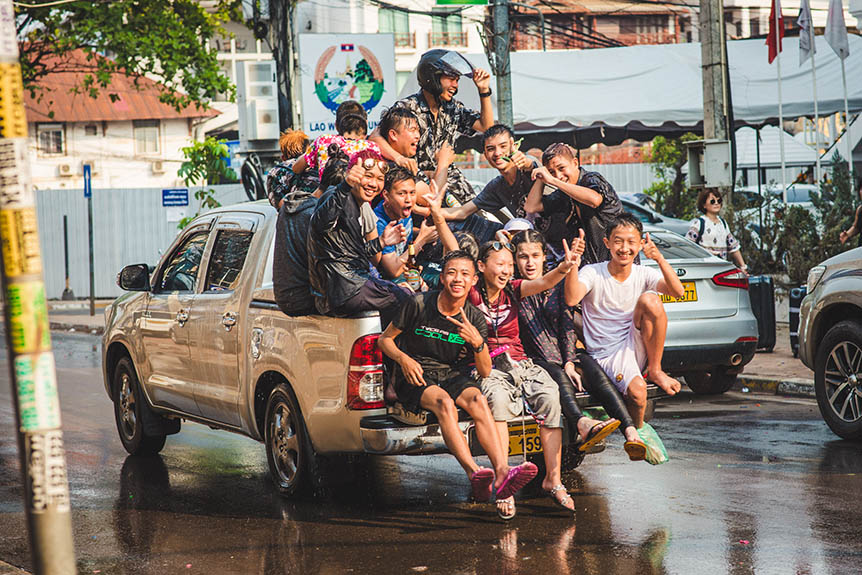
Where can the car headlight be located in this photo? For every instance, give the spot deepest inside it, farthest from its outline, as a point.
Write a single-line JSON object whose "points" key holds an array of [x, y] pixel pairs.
{"points": [[814, 276]]}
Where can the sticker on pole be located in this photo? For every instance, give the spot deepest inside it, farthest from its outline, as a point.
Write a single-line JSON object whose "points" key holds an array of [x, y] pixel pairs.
{"points": [[20, 242], [13, 118], [28, 317], [8, 32], [15, 190], [38, 400], [46, 467]]}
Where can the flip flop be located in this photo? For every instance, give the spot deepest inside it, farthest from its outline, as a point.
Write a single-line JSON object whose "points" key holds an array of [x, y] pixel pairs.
{"points": [[481, 482], [517, 478], [636, 450], [561, 503], [598, 432], [507, 516]]}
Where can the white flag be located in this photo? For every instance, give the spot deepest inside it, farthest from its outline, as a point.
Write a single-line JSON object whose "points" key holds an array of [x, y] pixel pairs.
{"points": [[806, 46], [836, 29]]}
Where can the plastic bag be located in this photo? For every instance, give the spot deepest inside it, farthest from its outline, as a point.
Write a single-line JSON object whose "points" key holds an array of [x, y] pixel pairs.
{"points": [[656, 454]]}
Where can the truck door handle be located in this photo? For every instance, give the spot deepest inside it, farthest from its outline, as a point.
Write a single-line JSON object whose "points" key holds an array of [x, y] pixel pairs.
{"points": [[228, 320], [182, 317]]}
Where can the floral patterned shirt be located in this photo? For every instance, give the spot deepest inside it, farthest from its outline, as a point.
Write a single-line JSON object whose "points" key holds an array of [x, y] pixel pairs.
{"points": [[453, 119], [716, 238], [281, 181], [318, 153]]}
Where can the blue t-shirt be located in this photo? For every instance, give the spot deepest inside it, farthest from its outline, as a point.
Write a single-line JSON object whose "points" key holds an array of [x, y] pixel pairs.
{"points": [[383, 220]]}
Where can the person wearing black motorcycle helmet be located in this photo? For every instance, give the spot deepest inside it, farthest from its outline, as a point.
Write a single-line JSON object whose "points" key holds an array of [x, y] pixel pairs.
{"points": [[442, 119]]}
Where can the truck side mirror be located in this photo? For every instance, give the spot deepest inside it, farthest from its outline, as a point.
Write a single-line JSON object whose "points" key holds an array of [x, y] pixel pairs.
{"points": [[134, 278]]}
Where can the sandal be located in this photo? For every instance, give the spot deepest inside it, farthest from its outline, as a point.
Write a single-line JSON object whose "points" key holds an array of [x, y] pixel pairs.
{"points": [[517, 478], [481, 483], [636, 450], [509, 501], [562, 502], [597, 433]]}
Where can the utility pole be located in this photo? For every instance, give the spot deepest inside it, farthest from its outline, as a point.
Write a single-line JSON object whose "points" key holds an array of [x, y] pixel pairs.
{"points": [[28, 336], [712, 64], [502, 69], [281, 12]]}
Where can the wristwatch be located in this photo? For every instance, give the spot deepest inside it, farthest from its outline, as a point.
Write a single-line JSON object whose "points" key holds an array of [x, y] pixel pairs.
{"points": [[485, 94], [480, 348]]}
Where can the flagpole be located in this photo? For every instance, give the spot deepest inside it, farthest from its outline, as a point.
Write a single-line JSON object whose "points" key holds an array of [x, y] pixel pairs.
{"points": [[816, 113], [780, 109], [847, 126]]}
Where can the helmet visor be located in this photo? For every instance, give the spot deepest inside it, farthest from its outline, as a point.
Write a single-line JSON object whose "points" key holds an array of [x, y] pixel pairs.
{"points": [[455, 62]]}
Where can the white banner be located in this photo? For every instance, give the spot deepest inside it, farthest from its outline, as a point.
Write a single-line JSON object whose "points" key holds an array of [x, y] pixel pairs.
{"points": [[339, 67]]}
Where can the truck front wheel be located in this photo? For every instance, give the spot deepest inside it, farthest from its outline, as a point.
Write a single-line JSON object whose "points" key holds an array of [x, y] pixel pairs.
{"points": [[288, 450], [129, 412]]}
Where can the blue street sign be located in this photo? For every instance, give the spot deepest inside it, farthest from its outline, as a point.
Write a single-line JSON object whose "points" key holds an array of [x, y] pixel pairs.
{"points": [[175, 197], [88, 191]]}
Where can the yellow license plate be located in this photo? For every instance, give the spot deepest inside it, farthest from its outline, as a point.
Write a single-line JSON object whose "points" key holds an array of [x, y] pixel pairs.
{"points": [[526, 436], [689, 295]]}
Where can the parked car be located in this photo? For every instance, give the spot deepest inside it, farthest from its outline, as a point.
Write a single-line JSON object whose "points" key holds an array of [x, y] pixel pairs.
{"points": [[748, 201], [830, 340], [712, 332], [648, 215], [201, 339]]}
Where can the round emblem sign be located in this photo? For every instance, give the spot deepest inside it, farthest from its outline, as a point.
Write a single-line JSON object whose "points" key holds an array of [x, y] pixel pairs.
{"points": [[348, 72]]}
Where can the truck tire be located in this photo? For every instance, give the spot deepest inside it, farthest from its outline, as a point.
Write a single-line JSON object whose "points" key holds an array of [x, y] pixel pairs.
{"points": [[714, 382], [288, 449], [129, 404], [840, 397]]}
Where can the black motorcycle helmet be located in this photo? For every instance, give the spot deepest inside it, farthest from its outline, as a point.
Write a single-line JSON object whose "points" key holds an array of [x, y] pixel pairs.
{"points": [[437, 63]]}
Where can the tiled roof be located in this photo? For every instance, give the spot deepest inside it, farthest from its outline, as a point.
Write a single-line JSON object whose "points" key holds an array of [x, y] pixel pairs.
{"points": [[136, 102]]}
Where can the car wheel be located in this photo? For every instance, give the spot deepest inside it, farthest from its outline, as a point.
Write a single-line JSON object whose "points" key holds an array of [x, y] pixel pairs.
{"points": [[128, 408], [838, 379], [288, 450], [713, 382]]}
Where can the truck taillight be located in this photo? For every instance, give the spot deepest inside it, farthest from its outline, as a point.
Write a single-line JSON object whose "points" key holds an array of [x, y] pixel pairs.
{"points": [[365, 376], [731, 278]]}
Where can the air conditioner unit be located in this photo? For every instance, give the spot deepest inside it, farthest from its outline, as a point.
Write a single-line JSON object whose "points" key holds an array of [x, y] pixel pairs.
{"points": [[158, 167], [66, 170], [94, 166], [257, 102]]}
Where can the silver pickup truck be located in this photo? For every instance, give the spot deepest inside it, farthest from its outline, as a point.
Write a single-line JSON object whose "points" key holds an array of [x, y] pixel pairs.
{"points": [[200, 338]]}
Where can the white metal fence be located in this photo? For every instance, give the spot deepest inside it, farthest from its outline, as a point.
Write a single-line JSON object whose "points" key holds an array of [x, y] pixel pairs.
{"points": [[129, 226]]}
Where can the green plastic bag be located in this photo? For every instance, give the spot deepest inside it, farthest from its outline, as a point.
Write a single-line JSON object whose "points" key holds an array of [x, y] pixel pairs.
{"points": [[656, 454]]}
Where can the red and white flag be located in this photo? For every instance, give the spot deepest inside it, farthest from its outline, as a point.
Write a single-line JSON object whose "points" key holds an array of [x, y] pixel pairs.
{"points": [[773, 39], [836, 29]]}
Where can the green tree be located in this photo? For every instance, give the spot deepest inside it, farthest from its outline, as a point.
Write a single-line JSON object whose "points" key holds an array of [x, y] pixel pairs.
{"points": [[204, 166], [673, 197], [164, 39]]}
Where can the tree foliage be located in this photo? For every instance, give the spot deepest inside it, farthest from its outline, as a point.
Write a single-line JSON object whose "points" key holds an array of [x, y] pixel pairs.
{"points": [[673, 197], [166, 40], [205, 166]]}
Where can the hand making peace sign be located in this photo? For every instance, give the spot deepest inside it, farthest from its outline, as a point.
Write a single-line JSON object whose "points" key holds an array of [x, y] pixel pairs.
{"points": [[572, 259], [467, 330]]}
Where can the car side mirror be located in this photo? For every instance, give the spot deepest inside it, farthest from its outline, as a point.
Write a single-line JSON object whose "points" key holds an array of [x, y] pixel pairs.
{"points": [[134, 278]]}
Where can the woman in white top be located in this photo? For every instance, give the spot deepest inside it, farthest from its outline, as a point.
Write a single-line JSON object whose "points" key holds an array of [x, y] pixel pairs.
{"points": [[711, 232]]}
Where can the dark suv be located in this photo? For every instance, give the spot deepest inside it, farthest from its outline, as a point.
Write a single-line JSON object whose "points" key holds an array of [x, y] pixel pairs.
{"points": [[830, 340]]}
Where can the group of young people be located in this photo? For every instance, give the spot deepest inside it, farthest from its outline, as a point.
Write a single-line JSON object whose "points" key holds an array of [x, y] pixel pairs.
{"points": [[493, 322]]}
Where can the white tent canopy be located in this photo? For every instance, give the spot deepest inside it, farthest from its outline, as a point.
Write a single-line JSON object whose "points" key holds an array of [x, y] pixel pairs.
{"points": [[796, 153], [610, 94]]}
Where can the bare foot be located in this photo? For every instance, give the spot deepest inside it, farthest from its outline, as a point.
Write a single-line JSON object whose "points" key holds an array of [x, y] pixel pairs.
{"points": [[631, 433], [664, 381]]}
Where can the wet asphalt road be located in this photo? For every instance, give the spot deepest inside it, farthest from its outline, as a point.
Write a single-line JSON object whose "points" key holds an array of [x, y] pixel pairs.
{"points": [[756, 484]]}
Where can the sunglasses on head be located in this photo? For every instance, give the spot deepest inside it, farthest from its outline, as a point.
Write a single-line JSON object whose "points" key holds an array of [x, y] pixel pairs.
{"points": [[714, 201], [371, 163], [497, 246]]}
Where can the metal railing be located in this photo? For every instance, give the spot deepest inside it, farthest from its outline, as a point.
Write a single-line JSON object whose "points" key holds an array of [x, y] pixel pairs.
{"points": [[447, 39]]}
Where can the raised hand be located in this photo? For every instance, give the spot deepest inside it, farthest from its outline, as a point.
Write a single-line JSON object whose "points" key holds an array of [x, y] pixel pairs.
{"points": [[521, 161], [354, 175], [580, 243], [843, 236], [482, 79], [409, 164], [467, 330], [412, 370], [542, 173], [650, 249], [393, 234], [571, 259], [435, 198]]}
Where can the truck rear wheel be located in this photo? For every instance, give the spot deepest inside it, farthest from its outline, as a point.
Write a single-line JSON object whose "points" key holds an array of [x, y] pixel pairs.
{"points": [[288, 450], [714, 382], [128, 412]]}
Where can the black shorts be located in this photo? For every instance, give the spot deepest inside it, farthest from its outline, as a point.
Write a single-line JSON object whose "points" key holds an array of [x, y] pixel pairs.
{"points": [[451, 381]]}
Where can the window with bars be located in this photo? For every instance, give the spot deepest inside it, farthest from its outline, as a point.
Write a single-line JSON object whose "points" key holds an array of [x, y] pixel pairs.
{"points": [[447, 30], [52, 139]]}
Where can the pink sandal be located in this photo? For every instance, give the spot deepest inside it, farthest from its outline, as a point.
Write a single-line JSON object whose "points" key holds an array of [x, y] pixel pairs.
{"points": [[517, 478], [481, 482]]}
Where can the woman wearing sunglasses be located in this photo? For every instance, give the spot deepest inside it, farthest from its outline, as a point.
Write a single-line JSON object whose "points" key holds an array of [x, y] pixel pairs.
{"points": [[514, 379], [711, 232]]}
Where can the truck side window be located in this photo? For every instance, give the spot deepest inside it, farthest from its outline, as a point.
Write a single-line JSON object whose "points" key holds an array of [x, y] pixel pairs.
{"points": [[227, 259], [181, 271]]}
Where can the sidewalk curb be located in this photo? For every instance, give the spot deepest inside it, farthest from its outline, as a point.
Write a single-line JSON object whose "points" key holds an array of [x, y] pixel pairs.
{"points": [[7, 569], [787, 387], [78, 327]]}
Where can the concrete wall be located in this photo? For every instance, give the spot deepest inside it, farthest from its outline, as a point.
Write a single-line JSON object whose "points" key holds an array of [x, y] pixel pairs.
{"points": [[129, 226]]}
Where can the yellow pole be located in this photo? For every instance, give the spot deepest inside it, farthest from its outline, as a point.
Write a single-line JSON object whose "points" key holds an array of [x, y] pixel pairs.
{"points": [[28, 338]]}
